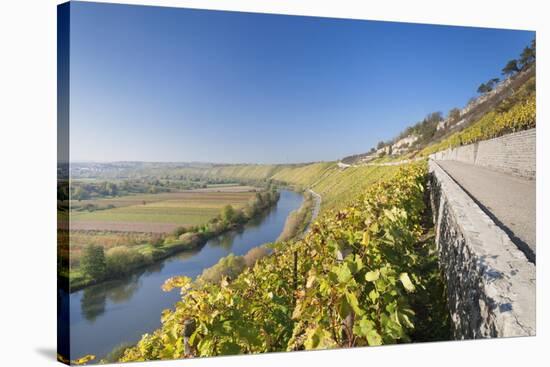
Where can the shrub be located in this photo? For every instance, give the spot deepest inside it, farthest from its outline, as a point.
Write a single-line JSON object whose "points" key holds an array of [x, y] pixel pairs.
{"points": [[179, 231], [190, 238], [229, 265], [157, 240], [255, 254], [116, 353], [122, 260]]}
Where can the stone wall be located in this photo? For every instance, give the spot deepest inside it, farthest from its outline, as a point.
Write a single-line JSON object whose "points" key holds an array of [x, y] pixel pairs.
{"points": [[490, 283], [513, 153]]}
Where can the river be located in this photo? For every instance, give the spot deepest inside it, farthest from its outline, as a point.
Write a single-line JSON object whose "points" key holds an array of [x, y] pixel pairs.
{"points": [[116, 312]]}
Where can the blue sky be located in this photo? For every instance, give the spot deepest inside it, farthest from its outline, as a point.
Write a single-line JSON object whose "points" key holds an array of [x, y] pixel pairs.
{"points": [[168, 84]]}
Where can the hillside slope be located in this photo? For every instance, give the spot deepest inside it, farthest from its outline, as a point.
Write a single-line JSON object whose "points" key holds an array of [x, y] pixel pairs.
{"points": [[335, 185], [500, 108], [377, 294]]}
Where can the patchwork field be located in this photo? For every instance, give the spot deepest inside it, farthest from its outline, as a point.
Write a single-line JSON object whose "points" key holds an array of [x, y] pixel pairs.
{"points": [[159, 213]]}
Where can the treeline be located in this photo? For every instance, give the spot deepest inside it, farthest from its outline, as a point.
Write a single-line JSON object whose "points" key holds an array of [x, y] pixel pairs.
{"points": [[356, 279], [526, 59], [98, 265], [89, 190], [230, 217], [83, 190], [426, 130]]}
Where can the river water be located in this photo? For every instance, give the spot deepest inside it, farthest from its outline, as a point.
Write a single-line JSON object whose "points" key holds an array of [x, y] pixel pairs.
{"points": [[110, 314]]}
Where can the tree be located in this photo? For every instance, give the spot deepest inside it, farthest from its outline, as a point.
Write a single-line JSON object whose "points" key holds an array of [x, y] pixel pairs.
{"points": [[93, 262], [483, 88], [179, 231], [380, 145], [454, 114], [259, 200], [112, 189], [489, 86], [511, 68], [228, 213], [528, 55], [80, 193]]}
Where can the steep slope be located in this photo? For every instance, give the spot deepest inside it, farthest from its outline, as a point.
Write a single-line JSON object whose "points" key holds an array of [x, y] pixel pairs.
{"points": [[335, 185]]}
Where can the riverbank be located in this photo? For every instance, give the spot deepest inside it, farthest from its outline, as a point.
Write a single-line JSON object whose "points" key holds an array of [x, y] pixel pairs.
{"points": [[296, 226], [232, 265], [111, 309], [100, 266], [300, 220], [278, 299]]}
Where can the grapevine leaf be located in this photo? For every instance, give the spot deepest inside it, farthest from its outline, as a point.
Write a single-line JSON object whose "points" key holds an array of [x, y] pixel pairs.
{"points": [[229, 348], [83, 360], [344, 308], [344, 274], [366, 238], [406, 281], [354, 303], [366, 328], [372, 276]]}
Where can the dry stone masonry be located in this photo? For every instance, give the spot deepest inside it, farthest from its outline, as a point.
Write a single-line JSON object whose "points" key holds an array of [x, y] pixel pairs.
{"points": [[513, 153], [490, 282]]}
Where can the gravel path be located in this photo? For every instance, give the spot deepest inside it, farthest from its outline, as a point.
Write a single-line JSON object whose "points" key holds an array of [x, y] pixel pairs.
{"points": [[315, 211]]}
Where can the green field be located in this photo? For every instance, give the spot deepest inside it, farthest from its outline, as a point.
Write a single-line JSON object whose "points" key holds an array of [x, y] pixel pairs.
{"points": [[157, 212]]}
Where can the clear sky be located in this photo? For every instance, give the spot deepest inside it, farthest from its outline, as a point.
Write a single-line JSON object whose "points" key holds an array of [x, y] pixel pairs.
{"points": [[168, 84]]}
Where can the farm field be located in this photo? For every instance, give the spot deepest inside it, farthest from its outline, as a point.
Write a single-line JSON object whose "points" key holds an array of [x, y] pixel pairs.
{"points": [[159, 213]]}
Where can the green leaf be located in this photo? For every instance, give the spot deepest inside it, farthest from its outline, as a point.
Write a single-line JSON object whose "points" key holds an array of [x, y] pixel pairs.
{"points": [[366, 238], [406, 281], [372, 276], [229, 348], [318, 338], [373, 295], [344, 274], [354, 303], [313, 340], [366, 328], [344, 308], [357, 264]]}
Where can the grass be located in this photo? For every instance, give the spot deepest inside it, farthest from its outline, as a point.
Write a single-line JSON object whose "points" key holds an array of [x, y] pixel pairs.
{"points": [[180, 209]]}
